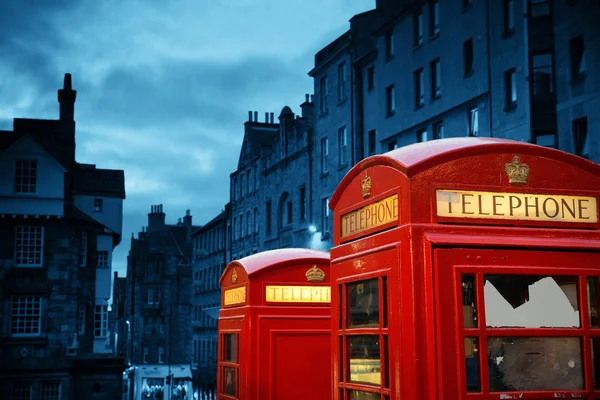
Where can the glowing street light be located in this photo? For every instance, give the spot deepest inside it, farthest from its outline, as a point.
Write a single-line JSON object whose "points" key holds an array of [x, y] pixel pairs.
{"points": [[312, 229]]}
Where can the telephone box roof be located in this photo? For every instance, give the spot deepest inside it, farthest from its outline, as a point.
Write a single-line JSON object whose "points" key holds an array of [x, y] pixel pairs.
{"points": [[260, 262], [418, 157]]}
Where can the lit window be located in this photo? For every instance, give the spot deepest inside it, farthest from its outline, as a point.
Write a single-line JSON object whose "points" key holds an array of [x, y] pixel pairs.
{"points": [[101, 321], [473, 122], [29, 246], [50, 391], [26, 316], [98, 203], [101, 258], [25, 176]]}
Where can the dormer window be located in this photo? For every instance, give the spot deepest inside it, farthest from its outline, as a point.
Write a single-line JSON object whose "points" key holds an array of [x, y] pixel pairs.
{"points": [[26, 176], [98, 203]]}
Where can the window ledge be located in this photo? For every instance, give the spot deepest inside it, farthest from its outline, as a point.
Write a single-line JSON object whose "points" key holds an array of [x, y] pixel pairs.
{"points": [[390, 114], [323, 114], [25, 340], [417, 47], [341, 102], [419, 106], [434, 36], [577, 79], [470, 73], [510, 107], [389, 58], [324, 174], [509, 33]]}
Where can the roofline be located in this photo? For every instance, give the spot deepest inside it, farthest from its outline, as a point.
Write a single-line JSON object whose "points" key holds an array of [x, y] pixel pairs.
{"points": [[485, 146], [333, 56], [398, 16], [25, 135]]}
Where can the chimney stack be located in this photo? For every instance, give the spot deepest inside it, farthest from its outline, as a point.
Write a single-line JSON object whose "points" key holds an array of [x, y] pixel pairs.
{"points": [[187, 221], [255, 116], [249, 116], [266, 117], [272, 117], [156, 218]]}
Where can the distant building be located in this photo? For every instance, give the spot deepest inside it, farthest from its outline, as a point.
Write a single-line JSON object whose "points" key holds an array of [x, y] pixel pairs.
{"points": [[60, 221], [116, 321], [209, 260], [157, 309]]}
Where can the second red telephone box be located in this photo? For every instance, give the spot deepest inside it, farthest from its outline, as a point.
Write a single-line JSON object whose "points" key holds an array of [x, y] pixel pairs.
{"points": [[274, 327]]}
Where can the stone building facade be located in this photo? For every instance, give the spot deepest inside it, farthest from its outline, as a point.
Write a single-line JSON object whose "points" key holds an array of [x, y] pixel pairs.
{"points": [[60, 221], [157, 307]]}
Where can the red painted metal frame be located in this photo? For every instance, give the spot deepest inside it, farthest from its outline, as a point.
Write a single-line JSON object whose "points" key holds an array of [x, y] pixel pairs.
{"points": [[415, 305], [259, 324]]}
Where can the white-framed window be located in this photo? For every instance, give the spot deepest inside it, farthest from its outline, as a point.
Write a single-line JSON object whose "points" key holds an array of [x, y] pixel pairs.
{"points": [[325, 215], [83, 249], [146, 354], [473, 121], [26, 316], [98, 205], [248, 223], [26, 176], [29, 246], [101, 321], [81, 313], [343, 145], [161, 355], [101, 259], [255, 219], [324, 155], [50, 390], [21, 391]]}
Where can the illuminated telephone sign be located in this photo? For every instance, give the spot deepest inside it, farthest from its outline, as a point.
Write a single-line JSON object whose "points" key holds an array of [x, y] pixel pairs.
{"points": [[234, 296], [516, 206], [298, 294], [370, 216]]}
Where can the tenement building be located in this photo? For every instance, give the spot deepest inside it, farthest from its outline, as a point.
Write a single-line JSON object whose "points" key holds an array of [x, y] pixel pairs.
{"points": [[411, 71], [157, 309], [60, 221], [209, 260]]}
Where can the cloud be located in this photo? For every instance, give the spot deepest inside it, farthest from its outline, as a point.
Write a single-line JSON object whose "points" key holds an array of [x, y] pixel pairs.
{"points": [[163, 87]]}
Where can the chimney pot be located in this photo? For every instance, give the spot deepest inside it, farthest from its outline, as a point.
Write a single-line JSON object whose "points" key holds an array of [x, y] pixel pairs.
{"points": [[255, 116], [312, 98], [307, 97], [267, 117], [272, 117], [249, 116], [187, 212]]}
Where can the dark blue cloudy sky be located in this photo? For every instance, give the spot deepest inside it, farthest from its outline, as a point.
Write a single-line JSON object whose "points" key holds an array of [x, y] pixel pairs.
{"points": [[164, 87]]}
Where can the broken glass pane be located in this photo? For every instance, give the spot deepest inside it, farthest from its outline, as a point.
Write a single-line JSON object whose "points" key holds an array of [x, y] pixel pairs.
{"points": [[525, 301], [535, 363]]}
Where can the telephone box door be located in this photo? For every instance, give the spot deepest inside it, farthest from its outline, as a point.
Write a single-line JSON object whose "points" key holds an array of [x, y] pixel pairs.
{"points": [[230, 358], [518, 323]]}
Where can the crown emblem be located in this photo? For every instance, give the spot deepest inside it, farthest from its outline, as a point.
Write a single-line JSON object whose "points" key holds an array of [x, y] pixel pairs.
{"points": [[233, 277], [517, 173], [366, 186], [315, 274]]}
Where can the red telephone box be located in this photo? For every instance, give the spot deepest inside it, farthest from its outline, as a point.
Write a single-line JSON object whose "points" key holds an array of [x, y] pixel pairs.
{"points": [[274, 327], [467, 268]]}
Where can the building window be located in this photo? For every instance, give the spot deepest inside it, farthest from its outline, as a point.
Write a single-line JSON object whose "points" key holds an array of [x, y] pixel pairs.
{"points": [[161, 355], [268, 216], [436, 79], [101, 259], [29, 246], [372, 142], [389, 45], [577, 51], [370, 78], [98, 203], [422, 135], [543, 74], [324, 155], [154, 295], [302, 203], [325, 215], [342, 81], [26, 176], [243, 185], [242, 227], [255, 177], [289, 212], [234, 229], [249, 181], [248, 224], [101, 321], [26, 316], [546, 140], [468, 57], [196, 353], [473, 122], [390, 100], [540, 8], [510, 89], [81, 312], [83, 249], [323, 94], [146, 355], [438, 130], [343, 146], [392, 145], [418, 28], [255, 219], [580, 137], [50, 391], [509, 17], [419, 89], [434, 13], [21, 391]]}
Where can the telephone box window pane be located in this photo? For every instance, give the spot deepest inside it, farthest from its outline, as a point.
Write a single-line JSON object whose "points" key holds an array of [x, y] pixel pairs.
{"points": [[363, 304], [529, 301], [535, 363], [596, 362], [386, 355], [341, 312], [230, 383], [341, 359], [384, 297], [593, 301], [230, 348], [357, 395], [472, 364], [468, 301], [364, 356]]}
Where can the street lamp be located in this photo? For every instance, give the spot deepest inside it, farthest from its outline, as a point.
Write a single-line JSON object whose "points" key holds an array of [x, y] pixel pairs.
{"points": [[312, 229]]}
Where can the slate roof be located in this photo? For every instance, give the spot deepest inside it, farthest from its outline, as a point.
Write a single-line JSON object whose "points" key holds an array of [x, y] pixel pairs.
{"points": [[90, 180]]}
